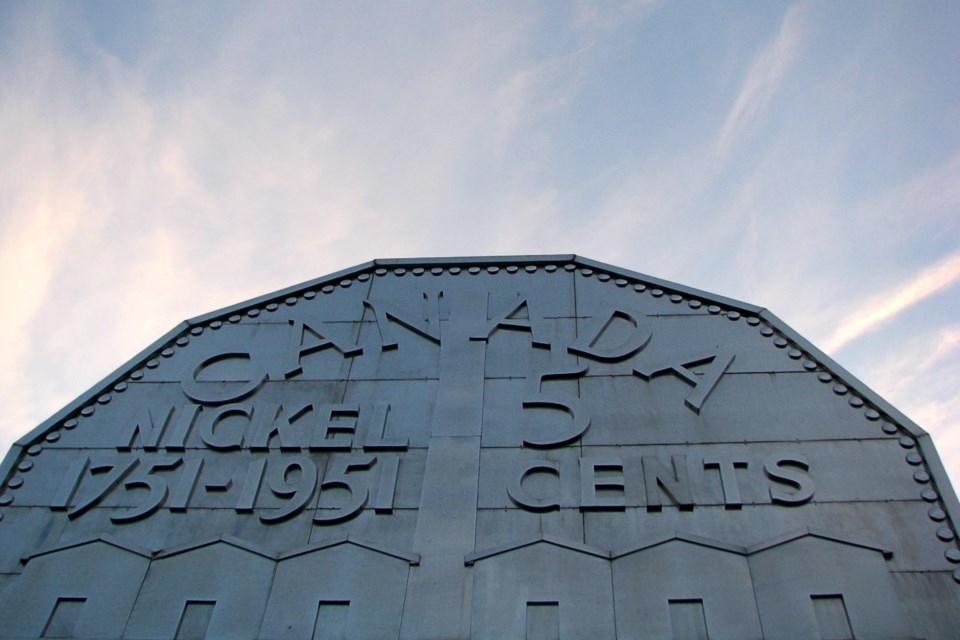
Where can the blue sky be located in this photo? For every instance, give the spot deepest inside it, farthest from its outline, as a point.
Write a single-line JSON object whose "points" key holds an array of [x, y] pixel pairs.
{"points": [[163, 160]]}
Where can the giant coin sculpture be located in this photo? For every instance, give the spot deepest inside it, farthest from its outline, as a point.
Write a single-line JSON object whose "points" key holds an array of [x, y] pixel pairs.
{"points": [[526, 447]]}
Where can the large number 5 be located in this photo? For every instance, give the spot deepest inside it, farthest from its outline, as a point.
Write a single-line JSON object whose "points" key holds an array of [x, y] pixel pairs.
{"points": [[580, 420]]}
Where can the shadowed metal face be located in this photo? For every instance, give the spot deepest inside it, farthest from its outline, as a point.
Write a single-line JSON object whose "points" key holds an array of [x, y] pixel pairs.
{"points": [[504, 448]]}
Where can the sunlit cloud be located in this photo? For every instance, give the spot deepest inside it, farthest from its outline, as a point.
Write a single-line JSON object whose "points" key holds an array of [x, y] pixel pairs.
{"points": [[918, 376], [763, 78], [886, 305]]}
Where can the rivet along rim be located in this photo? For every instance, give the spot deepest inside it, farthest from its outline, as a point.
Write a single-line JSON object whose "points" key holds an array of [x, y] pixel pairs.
{"points": [[25, 466], [753, 321], [914, 458], [328, 288], [417, 271], [953, 555], [167, 353], [937, 514], [70, 424], [53, 436], [871, 414], [105, 398], [473, 270], [889, 427], [363, 277], [824, 377], [273, 306], [569, 266], [399, 271], [183, 341], [530, 268], [253, 313], [921, 476], [766, 332], [87, 411], [809, 365], [436, 271], [929, 495], [34, 450], [907, 442], [493, 269], [795, 354], [234, 319], [733, 315], [586, 273], [6, 499], [309, 295], [620, 282], [855, 402], [676, 298], [196, 330], [136, 375], [780, 343], [714, 309], [839, 389], [603, 277], [639, 288], [956, 576], [454, 271], [216, 324], [380, 272], [347, 282], [513, 268], [694, 304], [945, 534], [656, 293], [15, 483], [292, 300], [550, 268]]}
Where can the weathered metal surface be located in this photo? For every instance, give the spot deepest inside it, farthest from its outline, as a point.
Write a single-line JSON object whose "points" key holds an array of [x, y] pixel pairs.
{"points": [[527, 447]]}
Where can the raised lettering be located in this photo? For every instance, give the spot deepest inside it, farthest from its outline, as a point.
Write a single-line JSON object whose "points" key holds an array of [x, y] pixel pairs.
{"points": [[789, 471], [149, 426], [378, 429], [519, 495], [331, 435], [389, 470], [589, 344], [180, 499], [658, 479], [311, 338], [428, 329], [220, 392], [115, 473], [579, 418], [591, 483], [518, 317], [157, 487], [702, 384], [212, 436], [251, 486], [273, 420], [338, 477], [728, 478], [298, 491]]}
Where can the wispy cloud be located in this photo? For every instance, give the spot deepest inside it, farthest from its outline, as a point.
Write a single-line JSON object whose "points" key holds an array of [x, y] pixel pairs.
{"points": [[918, 375], [887, 304], [763, 79]]}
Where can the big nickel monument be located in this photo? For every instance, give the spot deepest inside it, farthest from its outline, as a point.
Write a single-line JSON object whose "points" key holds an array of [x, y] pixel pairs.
{"points": [[523, 447]]}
